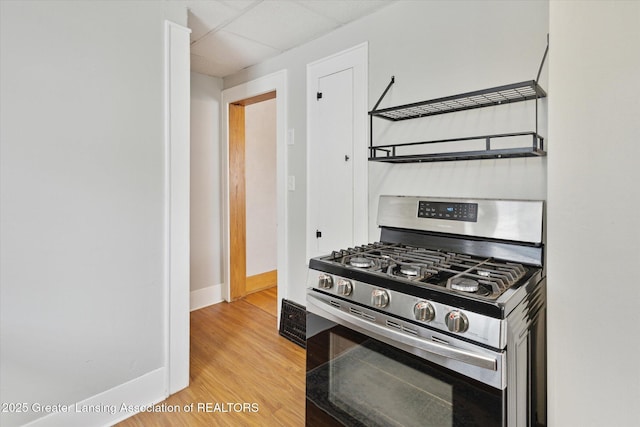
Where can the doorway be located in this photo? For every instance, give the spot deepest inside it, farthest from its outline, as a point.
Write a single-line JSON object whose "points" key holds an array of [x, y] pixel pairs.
{"points": [[252, 195], [262, 89]]}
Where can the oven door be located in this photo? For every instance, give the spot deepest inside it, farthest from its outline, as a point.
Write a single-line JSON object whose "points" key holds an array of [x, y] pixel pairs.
{"points": [[356, 377]]}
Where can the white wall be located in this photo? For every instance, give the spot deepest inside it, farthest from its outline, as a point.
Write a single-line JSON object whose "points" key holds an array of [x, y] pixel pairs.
{"points": [[206, 215], [82, 208], [593, 205], [260, 175], [434, 48]]}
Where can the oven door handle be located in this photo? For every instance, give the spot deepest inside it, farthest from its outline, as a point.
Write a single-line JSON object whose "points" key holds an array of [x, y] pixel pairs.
{"points": [[365, 326]]}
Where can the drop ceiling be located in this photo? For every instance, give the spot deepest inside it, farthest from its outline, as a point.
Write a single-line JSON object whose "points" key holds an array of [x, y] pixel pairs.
{"points": [[229, 35]]}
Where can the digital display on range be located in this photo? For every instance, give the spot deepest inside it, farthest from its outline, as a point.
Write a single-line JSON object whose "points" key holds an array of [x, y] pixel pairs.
{"points": [[448, 211]]}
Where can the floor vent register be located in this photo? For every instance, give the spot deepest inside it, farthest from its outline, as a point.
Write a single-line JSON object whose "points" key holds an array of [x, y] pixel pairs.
{"points": [[293, 322]]}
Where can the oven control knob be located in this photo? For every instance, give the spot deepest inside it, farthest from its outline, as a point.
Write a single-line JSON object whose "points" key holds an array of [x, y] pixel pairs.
{"points": [[423, 311], [379, 298], [325, 281], [456, 321], [344, 287]]}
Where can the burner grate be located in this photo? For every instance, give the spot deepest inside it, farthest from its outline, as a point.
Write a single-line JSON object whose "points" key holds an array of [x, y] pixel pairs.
{"points": [[495, 278], [485, 278]]}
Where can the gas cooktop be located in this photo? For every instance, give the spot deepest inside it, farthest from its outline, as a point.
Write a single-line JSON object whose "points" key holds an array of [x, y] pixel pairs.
{"points": [[483, 278], [477, 255]]}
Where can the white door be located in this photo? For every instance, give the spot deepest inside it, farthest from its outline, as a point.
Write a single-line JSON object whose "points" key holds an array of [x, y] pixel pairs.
{"points": [[331, 157], [337, 153]]}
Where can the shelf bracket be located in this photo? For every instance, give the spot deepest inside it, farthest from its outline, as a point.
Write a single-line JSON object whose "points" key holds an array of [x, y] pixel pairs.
{"points": [[393, 80], [371, 150], [544, 57]]}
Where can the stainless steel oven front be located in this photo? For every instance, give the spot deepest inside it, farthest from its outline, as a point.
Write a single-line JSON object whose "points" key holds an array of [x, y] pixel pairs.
{"points": [[365, 368], [359, 374]]}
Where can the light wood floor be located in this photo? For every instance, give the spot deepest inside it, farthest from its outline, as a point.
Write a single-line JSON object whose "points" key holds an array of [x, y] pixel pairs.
{"points": [[238, 357]]}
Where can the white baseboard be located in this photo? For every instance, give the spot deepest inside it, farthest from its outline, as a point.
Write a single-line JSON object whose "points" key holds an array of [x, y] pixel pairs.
{"points": [[206, 296], [112, 406]]}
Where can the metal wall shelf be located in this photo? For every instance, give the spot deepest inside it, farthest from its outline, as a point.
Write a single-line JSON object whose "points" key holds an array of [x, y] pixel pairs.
{"points": [[387, 153], [500, 95]]}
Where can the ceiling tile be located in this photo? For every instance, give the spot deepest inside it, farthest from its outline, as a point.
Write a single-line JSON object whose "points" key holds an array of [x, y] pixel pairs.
{"points": [[231, 50], [205, 16], [210, 67], [344, 11], [281, 24], [240, 4]]}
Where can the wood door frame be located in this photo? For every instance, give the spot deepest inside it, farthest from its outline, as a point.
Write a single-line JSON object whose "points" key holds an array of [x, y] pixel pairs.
{"points": [[237, 203], [238, 195], [252, 90]]}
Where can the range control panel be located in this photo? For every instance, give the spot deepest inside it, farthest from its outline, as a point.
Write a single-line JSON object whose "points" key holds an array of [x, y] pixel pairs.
{"points": [[448, 211]]}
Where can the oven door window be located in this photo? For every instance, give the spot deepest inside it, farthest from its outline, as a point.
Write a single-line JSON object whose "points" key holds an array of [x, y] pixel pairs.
{"points": [[354, 380]]}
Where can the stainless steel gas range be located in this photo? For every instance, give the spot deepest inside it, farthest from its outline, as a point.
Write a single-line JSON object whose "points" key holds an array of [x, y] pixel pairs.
{"points": [[440, 323]]}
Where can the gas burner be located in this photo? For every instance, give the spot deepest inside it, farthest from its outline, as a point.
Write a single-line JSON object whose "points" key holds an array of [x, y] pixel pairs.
{"points": [[410, 270], [413, 272], [361, 262], [464, 284]]}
